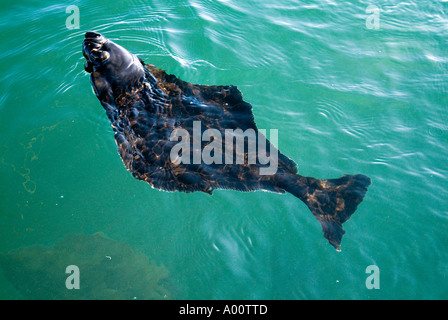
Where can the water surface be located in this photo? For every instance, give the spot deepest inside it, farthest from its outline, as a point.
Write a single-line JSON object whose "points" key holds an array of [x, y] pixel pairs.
{"points": [[345, 99]]}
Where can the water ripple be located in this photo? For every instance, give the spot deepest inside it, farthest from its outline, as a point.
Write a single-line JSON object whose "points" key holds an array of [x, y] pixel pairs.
{"points": [[347, 100]]}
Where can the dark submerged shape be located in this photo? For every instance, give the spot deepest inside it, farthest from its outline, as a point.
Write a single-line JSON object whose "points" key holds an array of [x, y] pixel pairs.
{"points": [[145, 105], [109, 269]]}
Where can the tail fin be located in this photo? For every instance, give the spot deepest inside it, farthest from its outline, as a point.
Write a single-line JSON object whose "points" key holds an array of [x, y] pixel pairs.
{"points": [[333, 201]]}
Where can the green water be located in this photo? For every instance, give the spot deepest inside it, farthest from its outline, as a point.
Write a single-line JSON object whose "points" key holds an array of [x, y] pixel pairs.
{"points": [[345, 99]]}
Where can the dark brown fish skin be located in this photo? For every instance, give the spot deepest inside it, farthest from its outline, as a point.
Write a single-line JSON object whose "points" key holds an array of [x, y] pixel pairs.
{"points": [[145, 105]]}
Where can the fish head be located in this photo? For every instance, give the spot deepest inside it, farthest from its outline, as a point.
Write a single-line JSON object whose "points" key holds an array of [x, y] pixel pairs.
{"points": [[112, 68]]}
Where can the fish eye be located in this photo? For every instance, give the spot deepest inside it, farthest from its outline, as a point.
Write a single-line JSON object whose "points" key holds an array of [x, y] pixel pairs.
{"points": [[100, 56]]}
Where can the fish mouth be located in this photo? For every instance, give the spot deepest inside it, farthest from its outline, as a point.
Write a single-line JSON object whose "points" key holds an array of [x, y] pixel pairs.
{"points": [[94, 51]]}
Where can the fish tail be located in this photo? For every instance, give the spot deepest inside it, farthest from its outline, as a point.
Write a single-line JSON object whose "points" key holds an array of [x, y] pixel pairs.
{"points": [[332, 201]]}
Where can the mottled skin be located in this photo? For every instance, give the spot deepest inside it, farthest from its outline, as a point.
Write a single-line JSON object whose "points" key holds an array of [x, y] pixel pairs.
{"points": [[145, 105]]}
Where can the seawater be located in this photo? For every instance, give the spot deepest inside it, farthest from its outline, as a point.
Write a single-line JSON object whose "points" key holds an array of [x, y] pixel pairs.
{"points": [[350, 90]]}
